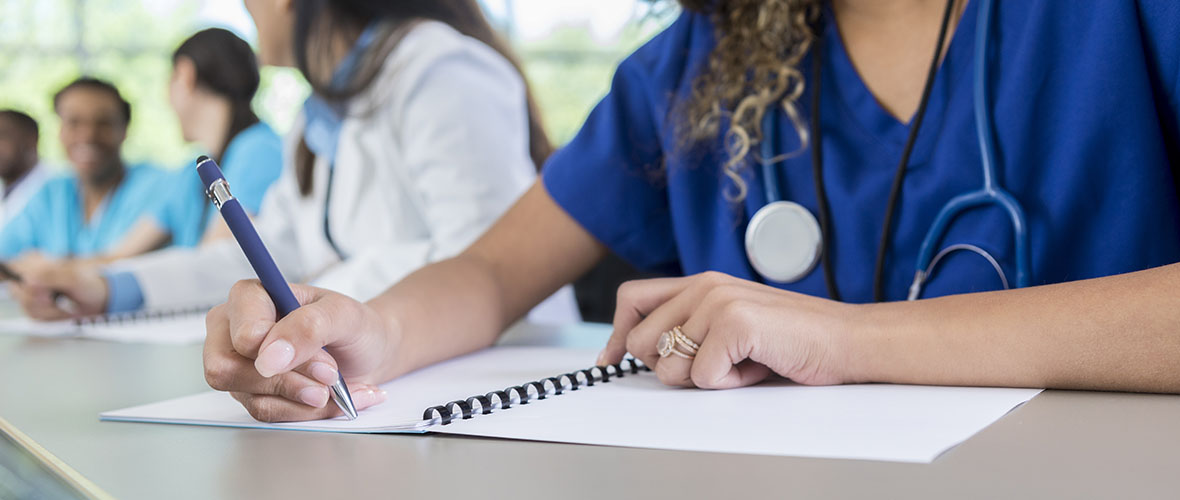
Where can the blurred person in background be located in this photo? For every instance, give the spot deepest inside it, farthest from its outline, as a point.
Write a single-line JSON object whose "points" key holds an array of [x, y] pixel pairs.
{"points": [[420, 132], [214, 79], [89, 210], [20, 169]]}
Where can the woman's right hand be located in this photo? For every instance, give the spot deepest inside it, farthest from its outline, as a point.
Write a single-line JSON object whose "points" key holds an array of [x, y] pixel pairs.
{"points": [[278, 371]]}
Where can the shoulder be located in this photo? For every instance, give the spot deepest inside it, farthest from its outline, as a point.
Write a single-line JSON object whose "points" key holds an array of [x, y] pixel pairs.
{"points": [[256, 143], [259, 133], [59, 184], [433, 50], [431, 41], [141, 172], [669, 61], [144, 177], [1109, 42], [688, 40], [56, 191]]}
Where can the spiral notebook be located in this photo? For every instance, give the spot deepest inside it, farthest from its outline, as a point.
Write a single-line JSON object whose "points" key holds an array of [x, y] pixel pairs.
{"points": [[531, 393], [172, 326]]}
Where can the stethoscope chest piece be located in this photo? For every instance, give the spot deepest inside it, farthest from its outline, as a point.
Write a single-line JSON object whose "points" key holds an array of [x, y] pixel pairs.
{"points": [[783, 241]]}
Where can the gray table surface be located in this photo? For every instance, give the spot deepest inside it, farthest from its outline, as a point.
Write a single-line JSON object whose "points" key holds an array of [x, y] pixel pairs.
{"points": [[1060, 444]]}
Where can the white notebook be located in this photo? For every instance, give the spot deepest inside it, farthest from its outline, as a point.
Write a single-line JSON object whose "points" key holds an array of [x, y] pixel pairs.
{"points": [[872, 422], [179, 326]]}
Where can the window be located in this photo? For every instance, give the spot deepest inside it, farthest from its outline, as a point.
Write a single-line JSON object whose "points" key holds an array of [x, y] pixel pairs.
{"points": [[569, 49]]}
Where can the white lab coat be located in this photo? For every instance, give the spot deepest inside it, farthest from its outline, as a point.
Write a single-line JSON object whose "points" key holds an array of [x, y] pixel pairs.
{"points": [[22, 192], [429, 157]]}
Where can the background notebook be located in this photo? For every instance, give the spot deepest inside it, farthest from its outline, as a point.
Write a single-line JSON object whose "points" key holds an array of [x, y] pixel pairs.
{"points": [[175, 326], [875, 422]]}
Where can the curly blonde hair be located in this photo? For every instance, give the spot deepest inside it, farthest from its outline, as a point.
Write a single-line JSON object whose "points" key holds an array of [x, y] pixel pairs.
{"points": [[753, 66]]}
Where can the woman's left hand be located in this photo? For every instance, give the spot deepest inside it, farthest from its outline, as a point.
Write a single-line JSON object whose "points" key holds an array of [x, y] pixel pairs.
{"points": [[745, 331]]}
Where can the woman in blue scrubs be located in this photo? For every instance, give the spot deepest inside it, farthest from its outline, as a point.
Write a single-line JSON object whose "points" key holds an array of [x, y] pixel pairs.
{"points": [[666, 172]]}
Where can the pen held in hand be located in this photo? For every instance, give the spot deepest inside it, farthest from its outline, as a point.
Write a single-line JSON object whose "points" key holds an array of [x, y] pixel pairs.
{"points": [[268, 273]]}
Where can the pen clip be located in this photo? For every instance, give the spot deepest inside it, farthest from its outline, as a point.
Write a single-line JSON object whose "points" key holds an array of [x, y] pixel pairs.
{"points": [[219, 193]]}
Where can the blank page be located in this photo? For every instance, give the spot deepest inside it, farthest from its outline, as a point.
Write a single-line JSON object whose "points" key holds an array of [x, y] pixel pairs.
{"points": [[873, 422]]}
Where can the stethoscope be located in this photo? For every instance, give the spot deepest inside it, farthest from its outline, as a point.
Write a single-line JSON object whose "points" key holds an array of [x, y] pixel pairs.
{"points": [[784, 241]]}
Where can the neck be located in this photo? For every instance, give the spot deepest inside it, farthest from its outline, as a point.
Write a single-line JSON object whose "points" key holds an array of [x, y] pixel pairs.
{"points": [[890, 44], [210, 127], [891, 11], [96, 189]]}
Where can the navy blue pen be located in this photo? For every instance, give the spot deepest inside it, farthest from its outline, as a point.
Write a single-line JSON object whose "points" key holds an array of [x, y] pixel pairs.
{"points": [[272, 280]]}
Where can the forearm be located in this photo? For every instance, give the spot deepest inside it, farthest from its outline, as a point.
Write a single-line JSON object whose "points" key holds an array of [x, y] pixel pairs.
{"points": [[462, 304], [144, 237], [1114, 333], [442, 311]]}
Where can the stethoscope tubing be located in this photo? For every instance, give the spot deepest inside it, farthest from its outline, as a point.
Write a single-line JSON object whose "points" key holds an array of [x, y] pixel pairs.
{"points": [[991, 193]]}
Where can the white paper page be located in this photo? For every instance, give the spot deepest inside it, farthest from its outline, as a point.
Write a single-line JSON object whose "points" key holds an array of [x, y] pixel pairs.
{"points": [[869, 422], [409, 396], [872, 422]]}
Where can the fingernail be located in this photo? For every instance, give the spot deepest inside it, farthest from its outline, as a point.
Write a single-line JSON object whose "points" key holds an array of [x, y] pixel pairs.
{"points": [[315, 397], [601, 358], [274, 358], [368, 397], [323, 373]]}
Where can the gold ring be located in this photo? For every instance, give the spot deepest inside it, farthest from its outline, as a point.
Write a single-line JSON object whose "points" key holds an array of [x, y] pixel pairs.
{"points": [[683, 340], [669, 342]]}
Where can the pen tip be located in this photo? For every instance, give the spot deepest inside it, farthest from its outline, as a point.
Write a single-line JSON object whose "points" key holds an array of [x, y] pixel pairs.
{"points": [[202, 159], [343, 399]]}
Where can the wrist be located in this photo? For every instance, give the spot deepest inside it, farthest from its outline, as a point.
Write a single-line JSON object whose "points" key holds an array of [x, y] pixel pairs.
{"points": [[396, 354], [872, 333]]}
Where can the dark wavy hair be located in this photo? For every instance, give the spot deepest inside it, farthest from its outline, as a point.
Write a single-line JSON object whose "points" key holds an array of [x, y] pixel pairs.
{"points": [[226, 66], [317, 21]]}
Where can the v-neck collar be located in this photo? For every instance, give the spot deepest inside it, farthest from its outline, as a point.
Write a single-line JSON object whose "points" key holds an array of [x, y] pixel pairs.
{"points": [[856, 99]]}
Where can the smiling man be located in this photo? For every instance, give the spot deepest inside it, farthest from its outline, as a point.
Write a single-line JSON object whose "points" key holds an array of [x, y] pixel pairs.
{"points": [[87, 212]]}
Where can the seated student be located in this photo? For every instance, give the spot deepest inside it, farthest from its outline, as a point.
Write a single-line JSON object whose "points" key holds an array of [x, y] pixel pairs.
{"points": [[21, 173], [214, 78], [419, 134], [87, 212], [1084, 109]]}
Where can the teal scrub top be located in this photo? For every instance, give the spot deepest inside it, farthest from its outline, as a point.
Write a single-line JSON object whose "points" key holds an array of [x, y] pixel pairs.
{"points": [[251, 163], [53, 224]]}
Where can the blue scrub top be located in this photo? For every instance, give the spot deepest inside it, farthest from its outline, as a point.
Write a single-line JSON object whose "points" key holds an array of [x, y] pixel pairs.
{"points": [[251, 163], [53, 223], [1085, 103]]}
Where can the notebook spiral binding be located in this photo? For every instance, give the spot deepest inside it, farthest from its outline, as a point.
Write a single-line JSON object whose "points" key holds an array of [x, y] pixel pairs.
{"points": [[551, 386], [137, 316]]}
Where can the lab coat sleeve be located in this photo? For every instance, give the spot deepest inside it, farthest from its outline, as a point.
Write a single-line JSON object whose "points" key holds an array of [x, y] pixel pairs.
{"points": [[463, 124], [186, 277]]}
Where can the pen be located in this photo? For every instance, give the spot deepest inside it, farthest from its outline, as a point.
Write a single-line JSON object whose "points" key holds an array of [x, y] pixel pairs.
{"points": [[217, 189]]}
